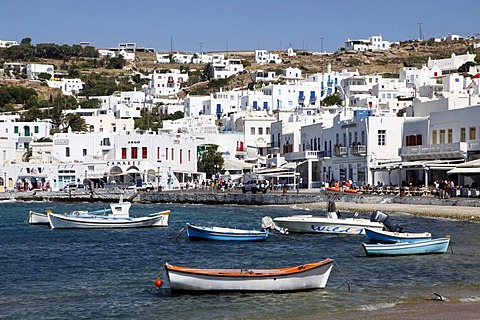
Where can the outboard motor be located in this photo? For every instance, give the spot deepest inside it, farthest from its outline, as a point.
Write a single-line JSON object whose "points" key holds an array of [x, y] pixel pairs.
{"points": [[385, 219], [331, 207]]}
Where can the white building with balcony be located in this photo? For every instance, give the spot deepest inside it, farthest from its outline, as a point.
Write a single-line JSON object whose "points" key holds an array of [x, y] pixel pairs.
{"points": [[166, 83], [226, 68]]}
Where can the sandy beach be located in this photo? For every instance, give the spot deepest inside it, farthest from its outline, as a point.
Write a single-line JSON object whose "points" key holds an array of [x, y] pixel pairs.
{"points": [[449, 212]]}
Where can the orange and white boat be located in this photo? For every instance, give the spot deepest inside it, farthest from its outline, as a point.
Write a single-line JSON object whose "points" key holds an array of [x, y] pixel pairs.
{"points": [[303, 277]]}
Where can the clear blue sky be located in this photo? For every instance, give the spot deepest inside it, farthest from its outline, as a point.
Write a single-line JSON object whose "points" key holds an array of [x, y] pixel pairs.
{"points": [[233, 24]]}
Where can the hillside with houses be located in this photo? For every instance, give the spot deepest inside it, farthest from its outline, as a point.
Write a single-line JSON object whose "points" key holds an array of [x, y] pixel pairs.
{"points": [[375, 114]]}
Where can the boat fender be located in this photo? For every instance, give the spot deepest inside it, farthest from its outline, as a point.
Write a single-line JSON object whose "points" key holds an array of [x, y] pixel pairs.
{"points": [[158, 283]]}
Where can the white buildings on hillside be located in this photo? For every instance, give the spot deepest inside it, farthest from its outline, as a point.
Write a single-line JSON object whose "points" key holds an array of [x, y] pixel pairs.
{"points": [[182, 57], [166, 83], [124, 105], [263, 57], [263, 76], [69, 87], [226, 68], [452, 63], [104, 121], [8, 43], [372, 43], [127, 55], [106, 53], [34, 69]]}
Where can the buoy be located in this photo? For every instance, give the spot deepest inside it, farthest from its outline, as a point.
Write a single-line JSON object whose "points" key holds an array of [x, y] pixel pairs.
{"points": [[158, 283]]}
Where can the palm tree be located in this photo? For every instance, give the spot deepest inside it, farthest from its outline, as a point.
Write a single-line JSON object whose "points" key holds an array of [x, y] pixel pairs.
{"points": [[74, 122]]}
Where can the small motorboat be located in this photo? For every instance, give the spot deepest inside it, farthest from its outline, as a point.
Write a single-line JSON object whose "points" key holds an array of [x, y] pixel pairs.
{"points": [[303, 277], [439, 245], [333, 222], [118, 218], [195, 232], [385, 236], [38, 217]]}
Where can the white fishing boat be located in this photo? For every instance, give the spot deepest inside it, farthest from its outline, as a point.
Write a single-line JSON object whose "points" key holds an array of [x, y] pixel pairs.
{"points": [[118, 218], [303, 277], [439, 245], [332, 222], [385, 236], [38, 217]]}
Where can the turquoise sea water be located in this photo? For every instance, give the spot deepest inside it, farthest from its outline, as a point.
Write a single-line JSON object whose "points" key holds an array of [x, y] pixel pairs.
{"points": [[100, 274]]}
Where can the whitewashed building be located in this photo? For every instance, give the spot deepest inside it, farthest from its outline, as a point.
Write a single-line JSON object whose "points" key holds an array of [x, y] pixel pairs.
{"points": [[8, 43], [372, 43], [34, 69], [263, 76], [106, 53], [166, 83], [452, 63], [263, 57], [163, 57], [226, 68], [69, 87]]}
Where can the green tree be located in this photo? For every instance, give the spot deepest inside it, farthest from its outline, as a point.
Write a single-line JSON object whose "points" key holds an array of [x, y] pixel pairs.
{"points": [[90, 103], [148, 121], [116, 63], [331, 100], [44, 76], [210, 160], [34, 113], [26, 41]]}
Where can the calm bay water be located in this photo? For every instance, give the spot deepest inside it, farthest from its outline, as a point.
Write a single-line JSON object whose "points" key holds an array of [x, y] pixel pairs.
{"points": [[98, 274]]}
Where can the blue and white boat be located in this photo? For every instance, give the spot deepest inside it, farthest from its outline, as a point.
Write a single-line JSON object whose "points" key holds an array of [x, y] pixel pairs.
{"points": [[384, 236], [118, 218], [439, 245], [195, 232]]}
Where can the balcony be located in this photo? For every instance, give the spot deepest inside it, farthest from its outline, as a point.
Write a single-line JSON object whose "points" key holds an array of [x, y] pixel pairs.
{"points": [[340, 151], [435, 151], [327, 154], [302, 155], [473, 145], [359, 150]]}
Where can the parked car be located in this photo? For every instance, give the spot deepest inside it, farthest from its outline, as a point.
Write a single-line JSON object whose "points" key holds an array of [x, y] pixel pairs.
{"points": [[146, 186], [255, 185]]}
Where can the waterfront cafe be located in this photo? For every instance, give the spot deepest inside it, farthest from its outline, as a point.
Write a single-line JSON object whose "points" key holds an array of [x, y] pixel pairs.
{"points": [[422, 172]]}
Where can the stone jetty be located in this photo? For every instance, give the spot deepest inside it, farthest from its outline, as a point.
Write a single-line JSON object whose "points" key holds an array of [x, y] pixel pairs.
{"points": [[456, 208]]}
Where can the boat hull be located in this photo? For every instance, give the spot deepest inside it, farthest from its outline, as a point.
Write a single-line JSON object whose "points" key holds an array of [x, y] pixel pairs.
{"points": [[312, 224], [383, 236], [305, 277], [38, 218], [100, 222], [224, 234], [421, 247]]}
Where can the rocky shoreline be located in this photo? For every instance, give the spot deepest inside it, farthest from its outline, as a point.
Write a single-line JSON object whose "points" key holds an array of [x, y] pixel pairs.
{"points": [[454, 208]]}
